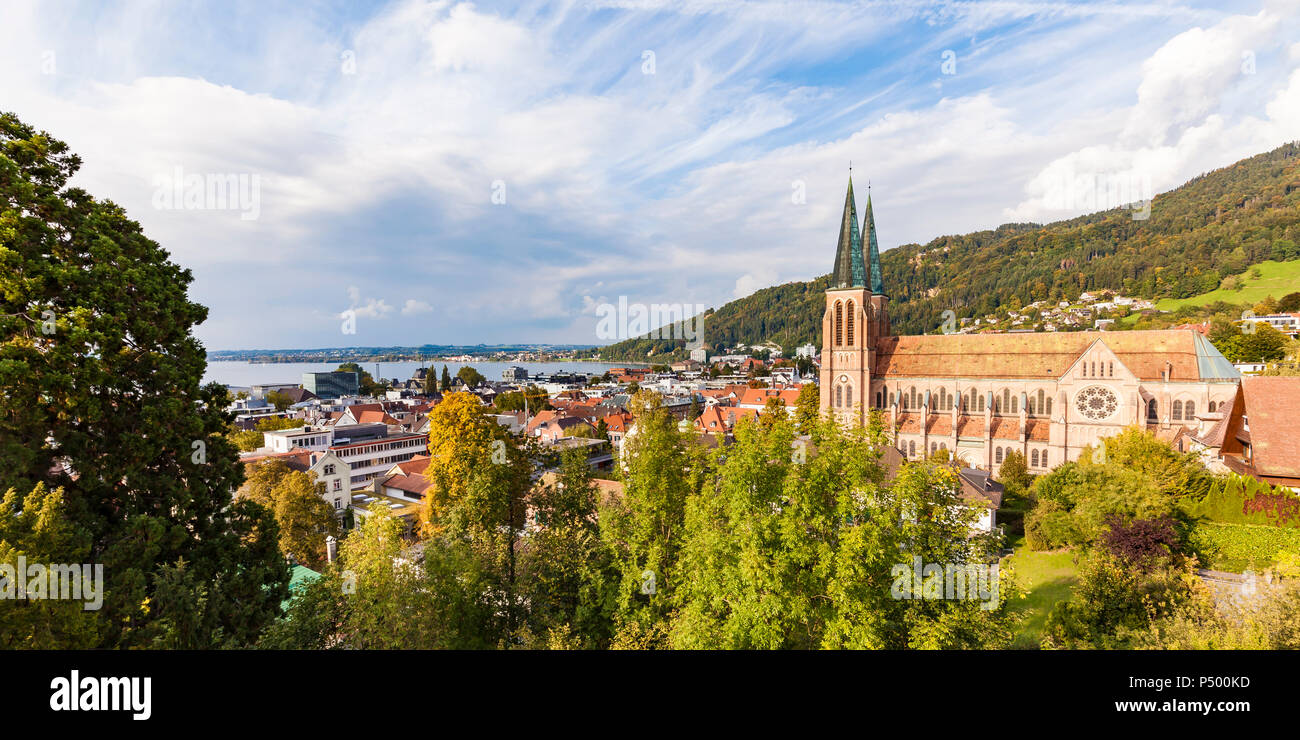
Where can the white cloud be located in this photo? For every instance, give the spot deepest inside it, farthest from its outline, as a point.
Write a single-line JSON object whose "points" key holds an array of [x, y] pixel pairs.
{"points": [[415, 308], [671, 187], [1181, 125]]}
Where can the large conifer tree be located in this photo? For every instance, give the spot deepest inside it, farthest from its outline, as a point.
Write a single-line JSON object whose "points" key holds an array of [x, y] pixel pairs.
{"points": [[100, 395]]}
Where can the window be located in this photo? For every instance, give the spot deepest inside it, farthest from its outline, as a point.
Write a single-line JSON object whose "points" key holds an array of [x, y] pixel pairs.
{"points": [[878, 400], [839, 397], [1096, 402], [338, 484], [934, 447], [338, 504], [1151, 410], [848, 396], [329, 469], [850, 332], [839, 323], [1049, 407], [1178, 411], [911, 449], [1110, 369], [1189, 410], [1033, 458], [1211, 407], [997, 455]]}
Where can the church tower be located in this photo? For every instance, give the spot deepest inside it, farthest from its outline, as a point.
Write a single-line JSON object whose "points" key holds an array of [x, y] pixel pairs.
{"points": [[855, 317]]}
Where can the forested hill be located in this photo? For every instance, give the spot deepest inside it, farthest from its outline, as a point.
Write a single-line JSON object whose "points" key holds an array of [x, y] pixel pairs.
{"points": [[1216, 225]]}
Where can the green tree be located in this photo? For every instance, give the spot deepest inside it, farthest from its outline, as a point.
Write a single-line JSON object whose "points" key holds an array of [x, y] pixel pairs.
{"points": [[807, 409], [470, 377], [374, 598], [568, 571], [644, 529], [302, 515], [37, 527], [446, 380], [1014, 473], [280, 401], [101, 376]]}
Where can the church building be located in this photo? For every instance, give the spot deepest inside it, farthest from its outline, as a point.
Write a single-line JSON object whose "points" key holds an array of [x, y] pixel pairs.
{"points": [[980, 396]]}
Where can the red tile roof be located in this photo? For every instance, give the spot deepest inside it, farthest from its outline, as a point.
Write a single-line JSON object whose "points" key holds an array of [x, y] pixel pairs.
{"points": [[1272, 408], [1034, 355]]}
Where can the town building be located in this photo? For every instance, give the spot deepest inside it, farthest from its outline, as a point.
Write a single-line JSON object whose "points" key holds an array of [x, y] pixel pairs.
{"points": [[333, 384]]}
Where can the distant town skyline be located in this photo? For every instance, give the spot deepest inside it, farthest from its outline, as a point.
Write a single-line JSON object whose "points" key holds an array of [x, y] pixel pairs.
{"points": [[491, 173]]}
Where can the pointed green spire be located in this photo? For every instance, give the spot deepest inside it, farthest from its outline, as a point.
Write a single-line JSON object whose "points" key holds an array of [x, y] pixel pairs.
{"points": [[873, 247], [850, 268]]}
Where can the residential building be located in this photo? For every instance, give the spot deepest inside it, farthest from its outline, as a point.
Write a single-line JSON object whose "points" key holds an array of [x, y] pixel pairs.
{"points": [[1259, 432]]}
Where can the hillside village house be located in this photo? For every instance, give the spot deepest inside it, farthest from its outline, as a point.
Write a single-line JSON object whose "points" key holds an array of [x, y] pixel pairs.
{"points": [[981, 396]]}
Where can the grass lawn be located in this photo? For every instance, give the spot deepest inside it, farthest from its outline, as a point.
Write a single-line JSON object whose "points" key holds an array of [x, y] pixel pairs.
{"points": [[1047, 578], [1275, 279]]}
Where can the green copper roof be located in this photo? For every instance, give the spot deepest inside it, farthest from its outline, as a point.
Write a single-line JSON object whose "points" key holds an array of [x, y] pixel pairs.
{"points": [[298, 580], [1211, 363], [869, 229], [850, 267]]}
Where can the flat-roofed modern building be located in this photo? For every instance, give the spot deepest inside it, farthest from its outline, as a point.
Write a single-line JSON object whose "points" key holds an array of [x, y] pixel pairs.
{"points": [[333, 384]]}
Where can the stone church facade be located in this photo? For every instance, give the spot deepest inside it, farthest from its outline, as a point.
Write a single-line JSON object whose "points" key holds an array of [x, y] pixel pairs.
{"points": [[980, 396]]}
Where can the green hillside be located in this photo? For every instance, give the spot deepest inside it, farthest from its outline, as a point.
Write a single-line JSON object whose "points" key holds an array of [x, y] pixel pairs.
{"points": [[1215, 226], [1275, 279]]}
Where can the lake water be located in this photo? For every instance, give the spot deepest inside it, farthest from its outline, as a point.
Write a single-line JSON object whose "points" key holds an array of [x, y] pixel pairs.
{"points": [[243, 374]]}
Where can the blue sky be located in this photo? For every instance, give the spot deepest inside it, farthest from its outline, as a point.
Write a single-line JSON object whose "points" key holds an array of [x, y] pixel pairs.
{"points": [[653, 150]]}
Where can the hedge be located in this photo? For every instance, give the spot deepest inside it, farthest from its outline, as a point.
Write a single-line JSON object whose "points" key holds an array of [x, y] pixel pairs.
{"points": [[1236, 547], [1243, 500]]}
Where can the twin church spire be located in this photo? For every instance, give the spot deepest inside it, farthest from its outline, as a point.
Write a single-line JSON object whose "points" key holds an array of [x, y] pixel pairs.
{"points": [[856, 267]]}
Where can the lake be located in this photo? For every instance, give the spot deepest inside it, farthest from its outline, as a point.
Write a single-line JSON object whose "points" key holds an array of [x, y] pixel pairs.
{"points": [[244, 374]]}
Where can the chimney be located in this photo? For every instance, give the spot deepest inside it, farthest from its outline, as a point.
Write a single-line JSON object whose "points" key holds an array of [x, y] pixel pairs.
{"points": [[331, 549]]}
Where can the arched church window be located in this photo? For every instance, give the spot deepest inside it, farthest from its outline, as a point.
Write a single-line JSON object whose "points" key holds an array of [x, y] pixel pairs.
{"points": [[839, 324], [997, 455], [839, 396], [1151, 410], [1211, 407], [849, 334], [1189, 410], [1178, 411], [848, 396], [1033, 458]]}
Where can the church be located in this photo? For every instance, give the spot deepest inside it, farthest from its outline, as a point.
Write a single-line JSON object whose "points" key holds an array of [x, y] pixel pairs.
{"points": [[980, 396]]}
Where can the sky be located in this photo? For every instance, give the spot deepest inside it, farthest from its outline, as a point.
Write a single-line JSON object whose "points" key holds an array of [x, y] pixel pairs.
{"points": [[416, 172]]}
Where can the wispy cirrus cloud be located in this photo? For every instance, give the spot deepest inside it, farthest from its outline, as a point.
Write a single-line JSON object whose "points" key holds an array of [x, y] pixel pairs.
{"points": [[516, 160]]}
